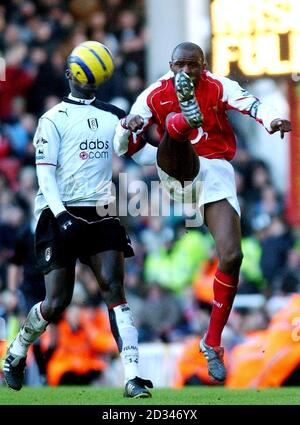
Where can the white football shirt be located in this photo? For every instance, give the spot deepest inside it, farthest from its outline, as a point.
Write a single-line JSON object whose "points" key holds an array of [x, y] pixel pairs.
{"points": [[76, 137]]}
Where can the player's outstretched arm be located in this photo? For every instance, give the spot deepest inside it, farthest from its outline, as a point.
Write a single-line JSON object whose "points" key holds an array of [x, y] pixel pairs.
{"points": [[235, 97]]}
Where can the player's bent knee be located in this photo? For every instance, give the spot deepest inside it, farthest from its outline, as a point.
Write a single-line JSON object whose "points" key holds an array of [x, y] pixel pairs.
{"points": [[231, 261], [113, 292]]}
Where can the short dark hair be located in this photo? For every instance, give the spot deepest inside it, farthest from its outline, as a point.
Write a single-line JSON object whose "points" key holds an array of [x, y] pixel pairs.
{"points": [[187, 45]]}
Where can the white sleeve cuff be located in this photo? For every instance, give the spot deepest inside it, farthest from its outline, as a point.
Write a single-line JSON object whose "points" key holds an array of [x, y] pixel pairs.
{"points": [[121, 140], [267, 114]]}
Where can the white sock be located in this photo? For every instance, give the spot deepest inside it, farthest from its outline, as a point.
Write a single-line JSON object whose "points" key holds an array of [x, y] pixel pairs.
{"points": [[31, 329], [129, 336]]}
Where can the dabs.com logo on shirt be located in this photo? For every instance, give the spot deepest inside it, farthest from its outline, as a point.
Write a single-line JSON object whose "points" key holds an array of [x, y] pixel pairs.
{"points": [[93, 149]]}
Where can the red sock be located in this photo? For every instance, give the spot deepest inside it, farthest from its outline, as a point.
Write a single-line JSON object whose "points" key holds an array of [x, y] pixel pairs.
{"points": [[179, 129], [225, 287]]}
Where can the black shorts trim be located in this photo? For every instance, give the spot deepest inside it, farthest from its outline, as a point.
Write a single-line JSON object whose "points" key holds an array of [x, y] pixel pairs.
{"points": [[103, 234]]}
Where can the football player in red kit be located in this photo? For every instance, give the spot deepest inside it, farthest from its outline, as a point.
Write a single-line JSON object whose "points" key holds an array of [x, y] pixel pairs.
{"points": [[189, 106]]}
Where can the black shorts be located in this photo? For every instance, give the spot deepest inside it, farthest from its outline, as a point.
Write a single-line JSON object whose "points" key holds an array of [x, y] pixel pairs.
{"points": [[104, 234]]}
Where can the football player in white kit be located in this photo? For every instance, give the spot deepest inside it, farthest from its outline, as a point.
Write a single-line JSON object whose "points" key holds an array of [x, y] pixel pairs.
{"points": [[74, 148]]}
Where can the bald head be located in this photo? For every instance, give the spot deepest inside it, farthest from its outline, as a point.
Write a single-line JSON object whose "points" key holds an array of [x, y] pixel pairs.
{"points": [[188, 57]]}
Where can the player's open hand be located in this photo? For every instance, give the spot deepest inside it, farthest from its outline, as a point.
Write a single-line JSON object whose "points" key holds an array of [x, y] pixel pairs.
{"points": [[284, 126], [133, 122]]}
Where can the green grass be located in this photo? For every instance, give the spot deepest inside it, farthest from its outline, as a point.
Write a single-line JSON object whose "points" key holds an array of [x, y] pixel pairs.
{"points": [[113, 396]]}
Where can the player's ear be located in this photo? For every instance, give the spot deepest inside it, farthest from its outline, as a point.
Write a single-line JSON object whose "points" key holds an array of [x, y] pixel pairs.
{"points": [[171, 65], [68, 74]]}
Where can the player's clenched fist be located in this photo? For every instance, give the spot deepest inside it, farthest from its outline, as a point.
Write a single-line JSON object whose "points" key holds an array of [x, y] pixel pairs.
{"points": [[284, 126], [72, 229], [132, 122]]}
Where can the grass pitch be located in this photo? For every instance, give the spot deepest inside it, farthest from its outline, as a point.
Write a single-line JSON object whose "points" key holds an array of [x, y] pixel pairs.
{"points": [[200, 395]]}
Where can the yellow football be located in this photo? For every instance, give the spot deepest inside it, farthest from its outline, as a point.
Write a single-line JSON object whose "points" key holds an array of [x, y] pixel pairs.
{"points": [[91, 62]]}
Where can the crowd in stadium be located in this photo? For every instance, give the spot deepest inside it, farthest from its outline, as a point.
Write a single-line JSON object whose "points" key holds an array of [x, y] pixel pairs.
{"points": [[169, 281]]}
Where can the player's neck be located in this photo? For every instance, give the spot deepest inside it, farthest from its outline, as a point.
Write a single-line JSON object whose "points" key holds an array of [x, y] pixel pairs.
{"points": [[82, 94], [81, 99]]}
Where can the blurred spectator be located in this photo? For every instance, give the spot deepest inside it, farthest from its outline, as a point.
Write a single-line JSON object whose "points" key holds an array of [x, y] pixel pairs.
{"points": [[20, 133], [27, 188], [162, 314], [132, 38], [84, 341], [269, 203], [275, 239], [259, 178], [4, 143], [156, 235], [288, 280], [18, 80]]}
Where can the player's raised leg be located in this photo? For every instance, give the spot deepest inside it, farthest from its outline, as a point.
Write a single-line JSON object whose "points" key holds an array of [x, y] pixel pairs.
{"points": [[185, 92], [176, 155], [178, 159]]}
